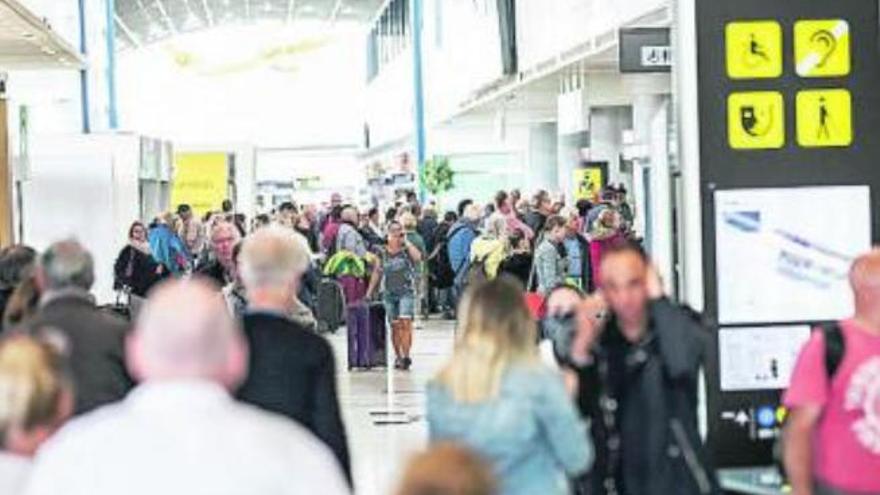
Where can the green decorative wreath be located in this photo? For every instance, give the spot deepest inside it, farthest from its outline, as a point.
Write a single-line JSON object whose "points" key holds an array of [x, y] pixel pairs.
{"points": [[438, 175]]}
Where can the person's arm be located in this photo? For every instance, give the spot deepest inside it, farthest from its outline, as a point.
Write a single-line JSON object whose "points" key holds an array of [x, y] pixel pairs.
{"points": [[326, 417], [566, 432], [375, 279], [413, 251], [798, 452]]}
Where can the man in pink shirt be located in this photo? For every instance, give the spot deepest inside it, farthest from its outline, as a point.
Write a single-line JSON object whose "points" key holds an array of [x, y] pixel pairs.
{"points": [[832, 438], [504, 206]]}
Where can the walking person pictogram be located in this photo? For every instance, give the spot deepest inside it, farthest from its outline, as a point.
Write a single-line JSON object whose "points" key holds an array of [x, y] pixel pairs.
{"points": [[824, 120]]}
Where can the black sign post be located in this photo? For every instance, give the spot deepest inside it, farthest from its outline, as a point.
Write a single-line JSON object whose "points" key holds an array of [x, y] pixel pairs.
{"points": [[757, 97]]}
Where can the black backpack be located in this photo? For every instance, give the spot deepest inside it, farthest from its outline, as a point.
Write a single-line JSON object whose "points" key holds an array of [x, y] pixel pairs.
{"points": [[439, 265]]}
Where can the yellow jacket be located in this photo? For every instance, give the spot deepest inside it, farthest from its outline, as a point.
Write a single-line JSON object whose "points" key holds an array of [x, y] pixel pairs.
{"points": [[493, 250]]}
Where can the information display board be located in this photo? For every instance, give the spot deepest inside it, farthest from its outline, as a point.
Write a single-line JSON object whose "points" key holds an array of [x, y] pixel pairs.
{"points": [[789, 191], [776, 264]]}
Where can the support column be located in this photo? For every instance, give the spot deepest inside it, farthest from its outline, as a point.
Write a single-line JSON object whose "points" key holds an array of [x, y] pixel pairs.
{"points": [[418, 94], [6, 232]]}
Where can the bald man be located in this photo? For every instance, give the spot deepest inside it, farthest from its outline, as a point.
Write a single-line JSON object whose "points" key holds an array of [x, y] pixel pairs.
{"points": [[832, 435], [637, 357], [180, 432]]}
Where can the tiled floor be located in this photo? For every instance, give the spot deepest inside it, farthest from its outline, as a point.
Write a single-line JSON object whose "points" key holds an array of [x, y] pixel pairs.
{"points": [[380, 451]]}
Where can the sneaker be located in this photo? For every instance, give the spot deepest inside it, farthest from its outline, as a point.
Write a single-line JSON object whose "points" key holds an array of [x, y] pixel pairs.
{"points": [[398, 364], [406, 364]]}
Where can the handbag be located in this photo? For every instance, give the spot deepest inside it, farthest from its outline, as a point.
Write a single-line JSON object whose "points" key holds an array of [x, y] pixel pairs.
{"points": [[534, 299]]}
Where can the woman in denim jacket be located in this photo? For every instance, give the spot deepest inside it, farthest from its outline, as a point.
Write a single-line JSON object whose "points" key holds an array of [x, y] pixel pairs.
{"points": [[496, 398]]}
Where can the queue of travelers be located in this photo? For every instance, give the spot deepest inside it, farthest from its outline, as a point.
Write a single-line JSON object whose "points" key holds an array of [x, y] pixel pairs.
{"points": [[218, 381]]}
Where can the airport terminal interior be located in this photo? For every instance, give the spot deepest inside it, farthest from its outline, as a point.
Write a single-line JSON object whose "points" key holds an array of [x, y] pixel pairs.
{"points": [[439, 247]]}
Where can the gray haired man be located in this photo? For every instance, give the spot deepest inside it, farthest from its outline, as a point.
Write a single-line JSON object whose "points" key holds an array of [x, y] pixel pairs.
{"points": [[93, 339]]}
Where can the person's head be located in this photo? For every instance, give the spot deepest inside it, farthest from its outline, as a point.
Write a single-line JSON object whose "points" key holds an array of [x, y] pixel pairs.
{"points": [[262, 220], [224, 237], [271, 263], [496, 226], [515, 196], [373, 215], [185, 212], [227, 206], [412, 198], [349, 215], [16, 264], [583, 207], [864, 278], [287, 208], [556, 228], [623, 278], [572, 220], [472, 213], [391, 215], [184, 332], [335, 200], [450, 217], [66, 265], [496, 333], [23, 303], [396, 234], [559, 324], [36, 396], [137, 232], [502, 202], [448, 469], [518, 241], [409, 222], [463, 205], [542, 202]]}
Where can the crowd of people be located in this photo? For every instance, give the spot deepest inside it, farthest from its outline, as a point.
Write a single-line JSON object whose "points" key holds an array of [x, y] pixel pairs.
{"points": [[573, 371]]}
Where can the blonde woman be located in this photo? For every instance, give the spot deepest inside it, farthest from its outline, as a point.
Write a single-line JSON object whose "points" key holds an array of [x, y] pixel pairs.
{"points": [[489, 250], [35, 399], [496, 398]]}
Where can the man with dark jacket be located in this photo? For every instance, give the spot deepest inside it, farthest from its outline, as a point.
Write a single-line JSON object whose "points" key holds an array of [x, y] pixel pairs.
{"points": [[292, 370], [93, 340], [542, 209], [638, 375]]}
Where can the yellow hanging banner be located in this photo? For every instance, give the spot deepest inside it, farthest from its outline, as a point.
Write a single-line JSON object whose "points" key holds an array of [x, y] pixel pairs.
{"points": [[588, 183], [200, 180]]}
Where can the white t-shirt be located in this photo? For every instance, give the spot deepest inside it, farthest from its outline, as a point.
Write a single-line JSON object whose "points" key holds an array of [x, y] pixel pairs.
{"points": [[14, 472], [186, 438]]}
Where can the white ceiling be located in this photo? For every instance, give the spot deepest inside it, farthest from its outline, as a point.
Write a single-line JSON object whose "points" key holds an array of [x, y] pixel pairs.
{"points": [[27, 42], [141, 22]]}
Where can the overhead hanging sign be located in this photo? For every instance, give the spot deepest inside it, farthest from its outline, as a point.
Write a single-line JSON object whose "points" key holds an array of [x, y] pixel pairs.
{"points": [[645, 50], [201, 180]]}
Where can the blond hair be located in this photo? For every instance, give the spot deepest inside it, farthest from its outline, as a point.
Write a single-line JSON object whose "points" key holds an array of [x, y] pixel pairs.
{"points": [[496, 333], [32, 384]]}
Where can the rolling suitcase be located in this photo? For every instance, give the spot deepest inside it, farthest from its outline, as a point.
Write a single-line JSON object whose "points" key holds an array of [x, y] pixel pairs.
{"points": [[377, 333], [330, 310]]}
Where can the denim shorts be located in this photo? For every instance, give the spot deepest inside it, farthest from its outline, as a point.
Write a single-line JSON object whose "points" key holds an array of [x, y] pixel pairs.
{"points": [[400, 307]]}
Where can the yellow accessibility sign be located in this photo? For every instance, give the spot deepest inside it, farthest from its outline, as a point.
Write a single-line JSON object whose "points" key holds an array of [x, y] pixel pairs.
{"points": [[821, 48], [754, 49], [756, 120], [824, 118], [588, 183]]}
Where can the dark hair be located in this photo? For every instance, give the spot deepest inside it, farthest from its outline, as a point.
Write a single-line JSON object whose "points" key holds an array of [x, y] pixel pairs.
{"points": [[183, 208], [134, 225], [500, 198], [263, 218], [462, 205], [583, 207], [336, 212], [227, 206], [287, 206], [390, 214], [16, 264], [516, 237], [416, 210], [372, 211], [540, 197], [450, 217], [626, 246]]}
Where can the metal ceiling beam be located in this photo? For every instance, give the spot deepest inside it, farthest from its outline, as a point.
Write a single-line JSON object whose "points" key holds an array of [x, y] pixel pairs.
{"points": [[146, 14], [208, 14], [127, 31], [291, 10], [335, 13], [247, 9], [161, 7]]}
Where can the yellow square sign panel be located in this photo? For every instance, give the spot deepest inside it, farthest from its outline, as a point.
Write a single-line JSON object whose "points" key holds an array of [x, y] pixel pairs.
{"points": [[821, 48], [754, 49], [824, 118], [756, 120]]}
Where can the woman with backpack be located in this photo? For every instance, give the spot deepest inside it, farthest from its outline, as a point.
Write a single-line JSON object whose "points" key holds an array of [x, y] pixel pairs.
{"points": [[396, 272], [488, 251]]}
